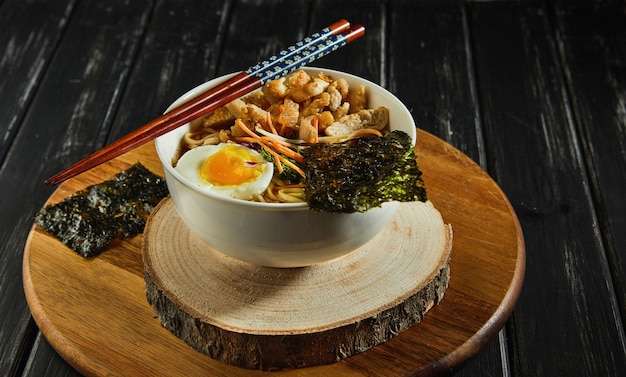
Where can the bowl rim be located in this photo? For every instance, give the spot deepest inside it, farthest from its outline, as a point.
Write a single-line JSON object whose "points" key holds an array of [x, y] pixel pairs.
{"points": [[247, 203]]}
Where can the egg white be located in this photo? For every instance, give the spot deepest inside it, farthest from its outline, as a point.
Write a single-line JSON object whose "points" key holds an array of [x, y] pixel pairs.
{"points": [[189, 167]]}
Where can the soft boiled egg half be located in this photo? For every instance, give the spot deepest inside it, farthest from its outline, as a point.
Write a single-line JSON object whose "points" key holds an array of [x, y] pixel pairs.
{"points": [[226, 169]]}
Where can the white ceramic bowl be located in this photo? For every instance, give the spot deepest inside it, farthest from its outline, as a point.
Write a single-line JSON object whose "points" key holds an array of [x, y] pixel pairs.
{"points": [[270, 234]]}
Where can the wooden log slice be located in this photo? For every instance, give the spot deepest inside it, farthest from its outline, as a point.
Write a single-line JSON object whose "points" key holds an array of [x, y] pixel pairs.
{"points": [[267, 318]]}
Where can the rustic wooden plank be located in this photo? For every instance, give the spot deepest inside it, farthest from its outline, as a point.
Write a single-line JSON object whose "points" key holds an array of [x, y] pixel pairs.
{"points": [[431, 71], [597, 87], [156, 81], [564, 323], [366, 57], [172, 60], [21, 42], [258, 29], [63, 120], [591, 30], [46, 361], [371, 55], [82, 88], [161, 73]]}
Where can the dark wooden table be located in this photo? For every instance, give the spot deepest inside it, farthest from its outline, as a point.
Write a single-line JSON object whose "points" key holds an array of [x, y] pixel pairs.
{"points": [[534, 91]]}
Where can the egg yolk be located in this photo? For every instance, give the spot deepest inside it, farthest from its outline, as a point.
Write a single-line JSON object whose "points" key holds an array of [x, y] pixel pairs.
{"points": [[231, 165]]}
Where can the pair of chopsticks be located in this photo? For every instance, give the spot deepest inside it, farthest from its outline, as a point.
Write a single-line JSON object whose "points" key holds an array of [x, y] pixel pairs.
{"points": [[286, 61]]}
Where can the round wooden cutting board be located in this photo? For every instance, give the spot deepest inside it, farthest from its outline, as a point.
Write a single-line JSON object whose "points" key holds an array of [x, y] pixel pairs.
{"points": [[94, 312]]}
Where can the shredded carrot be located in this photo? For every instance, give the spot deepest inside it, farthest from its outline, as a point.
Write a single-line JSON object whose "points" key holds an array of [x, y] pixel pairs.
{"points": [[283, 127], [270, 124], [316, 125], [245, 129], [286, 127], [257, 139], [277, 138], [293, 166], [274, 149], [247, 139], [277, 158], [279, 147]]}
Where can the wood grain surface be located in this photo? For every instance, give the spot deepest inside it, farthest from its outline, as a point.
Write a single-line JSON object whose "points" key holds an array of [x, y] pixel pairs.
{"points": [[532, 90], [265, 318], [95, 313]]}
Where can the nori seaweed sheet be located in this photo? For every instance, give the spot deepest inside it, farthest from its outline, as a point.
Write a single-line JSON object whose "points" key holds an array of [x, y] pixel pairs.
{"points": [[360, 174], [88, 220]]}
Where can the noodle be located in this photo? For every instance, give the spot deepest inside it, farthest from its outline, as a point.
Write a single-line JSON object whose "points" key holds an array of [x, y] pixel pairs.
{"points": [[280, 192], [204, 137], [291, 195], [301, 122]]}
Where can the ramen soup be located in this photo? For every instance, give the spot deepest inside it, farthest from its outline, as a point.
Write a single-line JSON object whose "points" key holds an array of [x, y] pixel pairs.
{"points": [[251, 148]]}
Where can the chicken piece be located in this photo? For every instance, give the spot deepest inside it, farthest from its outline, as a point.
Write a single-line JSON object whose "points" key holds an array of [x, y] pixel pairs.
{"points": [[357, 99], [236, 131], [298, 79], [258, 98], [278, 89], [275, 90], [218, 119], [308, 132], [342, 86], [317, 105], [376, 119], [323, 76], [325, 119], [251, 115], [287, 114], [335, 98], [236, 107], [342, 110], [311, 89], [254, 115]]}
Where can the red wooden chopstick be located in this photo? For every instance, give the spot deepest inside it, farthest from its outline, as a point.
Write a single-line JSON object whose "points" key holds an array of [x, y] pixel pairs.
{"points": [[286, 61]]}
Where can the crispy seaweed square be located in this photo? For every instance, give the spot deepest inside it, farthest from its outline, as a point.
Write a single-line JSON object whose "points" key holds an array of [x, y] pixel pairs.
{"points": [[88, 220], [363, 173]]}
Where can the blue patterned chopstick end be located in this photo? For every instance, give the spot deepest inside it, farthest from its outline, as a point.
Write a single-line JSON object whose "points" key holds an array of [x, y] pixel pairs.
{"points": [[304, 52]]}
